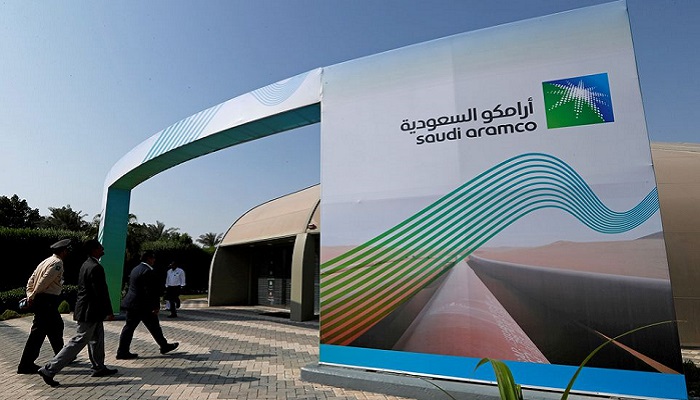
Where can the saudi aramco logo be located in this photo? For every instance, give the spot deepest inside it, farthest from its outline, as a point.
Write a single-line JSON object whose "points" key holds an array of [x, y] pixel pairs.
{"points": [[583, 100]]}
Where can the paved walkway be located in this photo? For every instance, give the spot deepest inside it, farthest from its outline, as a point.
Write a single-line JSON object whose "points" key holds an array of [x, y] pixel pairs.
{"points": [[224, 353]]}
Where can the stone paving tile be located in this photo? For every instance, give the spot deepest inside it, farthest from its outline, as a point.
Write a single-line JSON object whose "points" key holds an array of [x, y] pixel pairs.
{"points": [[224, 353]]}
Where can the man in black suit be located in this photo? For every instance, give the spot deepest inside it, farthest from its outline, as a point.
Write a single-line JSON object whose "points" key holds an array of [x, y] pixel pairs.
{"points": [[91, 308], [142, 303]]}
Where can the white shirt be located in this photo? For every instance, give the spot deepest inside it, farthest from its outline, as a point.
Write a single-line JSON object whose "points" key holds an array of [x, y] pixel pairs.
{"points": [[176, 277]]}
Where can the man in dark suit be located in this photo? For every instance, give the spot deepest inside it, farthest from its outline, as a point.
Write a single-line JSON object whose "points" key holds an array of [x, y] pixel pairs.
{"points": [[91, 308], [142, 303]]}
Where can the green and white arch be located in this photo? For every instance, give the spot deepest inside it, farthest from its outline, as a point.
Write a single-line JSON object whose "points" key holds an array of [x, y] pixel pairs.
{"points": [[275, 108]]}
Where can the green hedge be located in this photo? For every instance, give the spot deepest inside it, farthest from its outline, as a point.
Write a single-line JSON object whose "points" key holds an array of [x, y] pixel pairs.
{"points": [[28, 247], [9, 299], [194, 260]]}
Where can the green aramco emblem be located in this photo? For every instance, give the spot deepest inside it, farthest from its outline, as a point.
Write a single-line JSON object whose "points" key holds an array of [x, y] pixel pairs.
{"points": [[582, 100]]}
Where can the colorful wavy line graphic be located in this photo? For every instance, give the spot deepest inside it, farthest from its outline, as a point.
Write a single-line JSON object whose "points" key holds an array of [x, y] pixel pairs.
{"points": [[277, 93], [363, 285], [181, 133]]}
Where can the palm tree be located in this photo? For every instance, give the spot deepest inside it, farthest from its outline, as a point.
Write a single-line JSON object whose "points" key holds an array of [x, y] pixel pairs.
{"points": [[66, 218], [158, 231], [210, 239], [133, 219]]}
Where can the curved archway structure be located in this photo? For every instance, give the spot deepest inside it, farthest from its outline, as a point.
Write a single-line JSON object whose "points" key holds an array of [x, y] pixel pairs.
{"points": [[285, 105]]}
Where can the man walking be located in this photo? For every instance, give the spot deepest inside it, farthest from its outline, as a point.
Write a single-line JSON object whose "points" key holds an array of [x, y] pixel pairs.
{"points": [[43, 290], [142, 303], [91, 308], [174, 282]]}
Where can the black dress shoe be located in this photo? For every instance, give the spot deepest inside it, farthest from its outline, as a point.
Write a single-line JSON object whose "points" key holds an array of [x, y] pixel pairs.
{"points": [[28, 370], [169, 347], [48, 380], [104, 372], [127, 356]]}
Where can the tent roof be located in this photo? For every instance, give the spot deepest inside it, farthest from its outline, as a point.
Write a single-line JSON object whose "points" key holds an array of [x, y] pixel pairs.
{"points": [[283, 217]]}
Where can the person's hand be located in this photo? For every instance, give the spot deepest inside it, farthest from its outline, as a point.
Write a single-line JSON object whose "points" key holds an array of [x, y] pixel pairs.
{"points": [[156, 311], [110, 317]]}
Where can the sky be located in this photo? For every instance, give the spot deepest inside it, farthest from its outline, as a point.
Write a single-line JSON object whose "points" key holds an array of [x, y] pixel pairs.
{"points": [[84, 82]]}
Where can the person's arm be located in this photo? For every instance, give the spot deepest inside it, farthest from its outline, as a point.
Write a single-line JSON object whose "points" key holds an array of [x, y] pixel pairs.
{"points": [[99, 283], [182, 278], [167, 278], [152, 289], [29, 290]]}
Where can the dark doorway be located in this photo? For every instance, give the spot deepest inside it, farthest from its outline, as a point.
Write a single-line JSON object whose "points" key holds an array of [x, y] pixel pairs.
{"points": [[271, 264]]}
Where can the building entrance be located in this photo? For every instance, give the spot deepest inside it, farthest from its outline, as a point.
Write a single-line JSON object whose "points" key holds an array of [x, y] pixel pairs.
{"points": [[272, 272]]}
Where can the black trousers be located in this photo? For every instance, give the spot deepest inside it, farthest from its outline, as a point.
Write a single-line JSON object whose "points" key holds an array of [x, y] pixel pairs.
{"points": [[133, 319], [47, 323], [172, 294]]}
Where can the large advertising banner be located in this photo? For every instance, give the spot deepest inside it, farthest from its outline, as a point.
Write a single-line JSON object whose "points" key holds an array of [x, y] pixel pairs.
{"points": [[492, 194]]}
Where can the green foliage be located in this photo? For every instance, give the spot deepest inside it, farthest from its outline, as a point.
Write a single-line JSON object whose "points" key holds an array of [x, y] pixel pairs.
{"points": [[69, 293], [64, 307], [9, 299], [25, 233], [9, 314], [156, 232], [210, 239], [45, 235], [12, 296], [507, 387], [66, 218], [209, 250], [597, 349], [26, 248], [510, 391], [16, 213], [194, 260], [439, 388], [141, 237], [165, 245]]}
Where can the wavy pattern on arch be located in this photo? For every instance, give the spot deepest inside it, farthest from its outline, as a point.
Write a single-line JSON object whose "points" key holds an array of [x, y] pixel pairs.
{"points": [[363, 285], [183, 132], [277, 93]]}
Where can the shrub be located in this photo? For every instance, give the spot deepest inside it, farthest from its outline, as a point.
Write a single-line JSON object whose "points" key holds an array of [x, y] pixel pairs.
{"points": [[64, 307], [69, 293], [9, 314], [9, 299]]}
